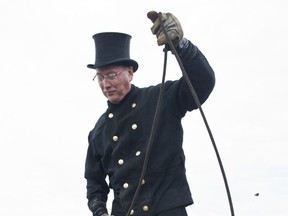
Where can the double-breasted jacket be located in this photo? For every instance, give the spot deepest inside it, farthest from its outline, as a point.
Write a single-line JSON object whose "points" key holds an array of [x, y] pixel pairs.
{"points": [[118, 143]]}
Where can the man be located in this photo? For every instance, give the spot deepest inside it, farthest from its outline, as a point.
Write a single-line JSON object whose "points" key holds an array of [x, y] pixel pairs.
{"points": [[118, 142]]}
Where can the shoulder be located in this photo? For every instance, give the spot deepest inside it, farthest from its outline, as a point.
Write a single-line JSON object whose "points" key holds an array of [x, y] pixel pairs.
{"points": [[98, 126]]}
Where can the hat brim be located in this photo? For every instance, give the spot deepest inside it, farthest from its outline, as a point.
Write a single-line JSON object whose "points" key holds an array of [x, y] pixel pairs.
{"points": [[123, 62]]}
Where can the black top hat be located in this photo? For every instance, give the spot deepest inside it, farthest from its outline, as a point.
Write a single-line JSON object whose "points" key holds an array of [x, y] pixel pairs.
{"points": [[112, 48]]}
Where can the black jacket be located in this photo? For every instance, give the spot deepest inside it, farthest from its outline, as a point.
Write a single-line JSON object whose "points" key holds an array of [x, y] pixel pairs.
{"points": [[118, 142]]}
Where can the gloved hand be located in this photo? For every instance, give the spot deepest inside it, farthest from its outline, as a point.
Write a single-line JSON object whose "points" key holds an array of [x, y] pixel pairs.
{"points": [[98, 206], [171, 24]]}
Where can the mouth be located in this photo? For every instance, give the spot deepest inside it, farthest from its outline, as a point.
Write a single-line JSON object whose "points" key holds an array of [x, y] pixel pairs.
{"points": [[109, 93]]}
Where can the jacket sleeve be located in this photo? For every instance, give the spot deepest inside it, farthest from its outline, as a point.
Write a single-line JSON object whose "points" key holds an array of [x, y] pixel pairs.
{"points": [[201, 76], [97, 187]]}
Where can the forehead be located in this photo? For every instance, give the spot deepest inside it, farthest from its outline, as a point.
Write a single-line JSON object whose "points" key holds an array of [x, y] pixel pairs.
{"points": [[108, 69]]}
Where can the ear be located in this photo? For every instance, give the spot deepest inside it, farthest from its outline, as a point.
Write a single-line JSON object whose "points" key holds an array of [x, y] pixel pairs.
{"points": [[130, 73]]}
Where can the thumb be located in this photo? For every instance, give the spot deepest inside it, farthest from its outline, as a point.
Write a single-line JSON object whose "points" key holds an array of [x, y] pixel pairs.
{"points": [[152, 15]]}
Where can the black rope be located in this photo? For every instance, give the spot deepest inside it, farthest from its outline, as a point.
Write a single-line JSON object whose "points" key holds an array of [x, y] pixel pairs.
{"points": [[152, 135], [156, 116], [201, 111]]}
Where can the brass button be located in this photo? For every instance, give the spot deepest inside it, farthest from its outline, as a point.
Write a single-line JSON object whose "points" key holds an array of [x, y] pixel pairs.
{"points": [[131, 212], [138, 153], [134, 105], [134, 126], [145, 208], [125, 185], [115, 138], [110, 115], [120, 161], [143, 182]]}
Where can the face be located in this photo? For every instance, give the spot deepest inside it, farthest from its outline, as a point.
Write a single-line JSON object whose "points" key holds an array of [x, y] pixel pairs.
{"points": [[115, 81]]}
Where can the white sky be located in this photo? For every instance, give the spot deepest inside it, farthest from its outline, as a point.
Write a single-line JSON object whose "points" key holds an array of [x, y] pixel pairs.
{"points": [[49, 102]]}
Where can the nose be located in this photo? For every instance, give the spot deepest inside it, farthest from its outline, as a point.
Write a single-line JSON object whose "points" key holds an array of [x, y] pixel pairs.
{"points": [[105, 83]]}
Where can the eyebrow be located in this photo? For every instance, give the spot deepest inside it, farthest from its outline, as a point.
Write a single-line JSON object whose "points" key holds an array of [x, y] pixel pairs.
{"points": [[109, 72]]}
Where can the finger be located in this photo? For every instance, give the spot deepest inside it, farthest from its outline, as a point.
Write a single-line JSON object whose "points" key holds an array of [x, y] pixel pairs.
{"points": [[157, 21], [153, 16], [156, 26], [161, 39]]}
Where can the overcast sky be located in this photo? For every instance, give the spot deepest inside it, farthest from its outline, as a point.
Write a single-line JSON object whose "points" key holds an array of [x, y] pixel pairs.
{"points": [[49, 102]]}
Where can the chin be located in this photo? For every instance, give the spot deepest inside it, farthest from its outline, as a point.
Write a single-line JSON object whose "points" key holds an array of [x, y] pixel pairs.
{"points": [[113, 100]]}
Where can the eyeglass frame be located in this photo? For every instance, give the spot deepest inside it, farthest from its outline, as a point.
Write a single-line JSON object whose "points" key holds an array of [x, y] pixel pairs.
{"points": [[106, 76]]}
